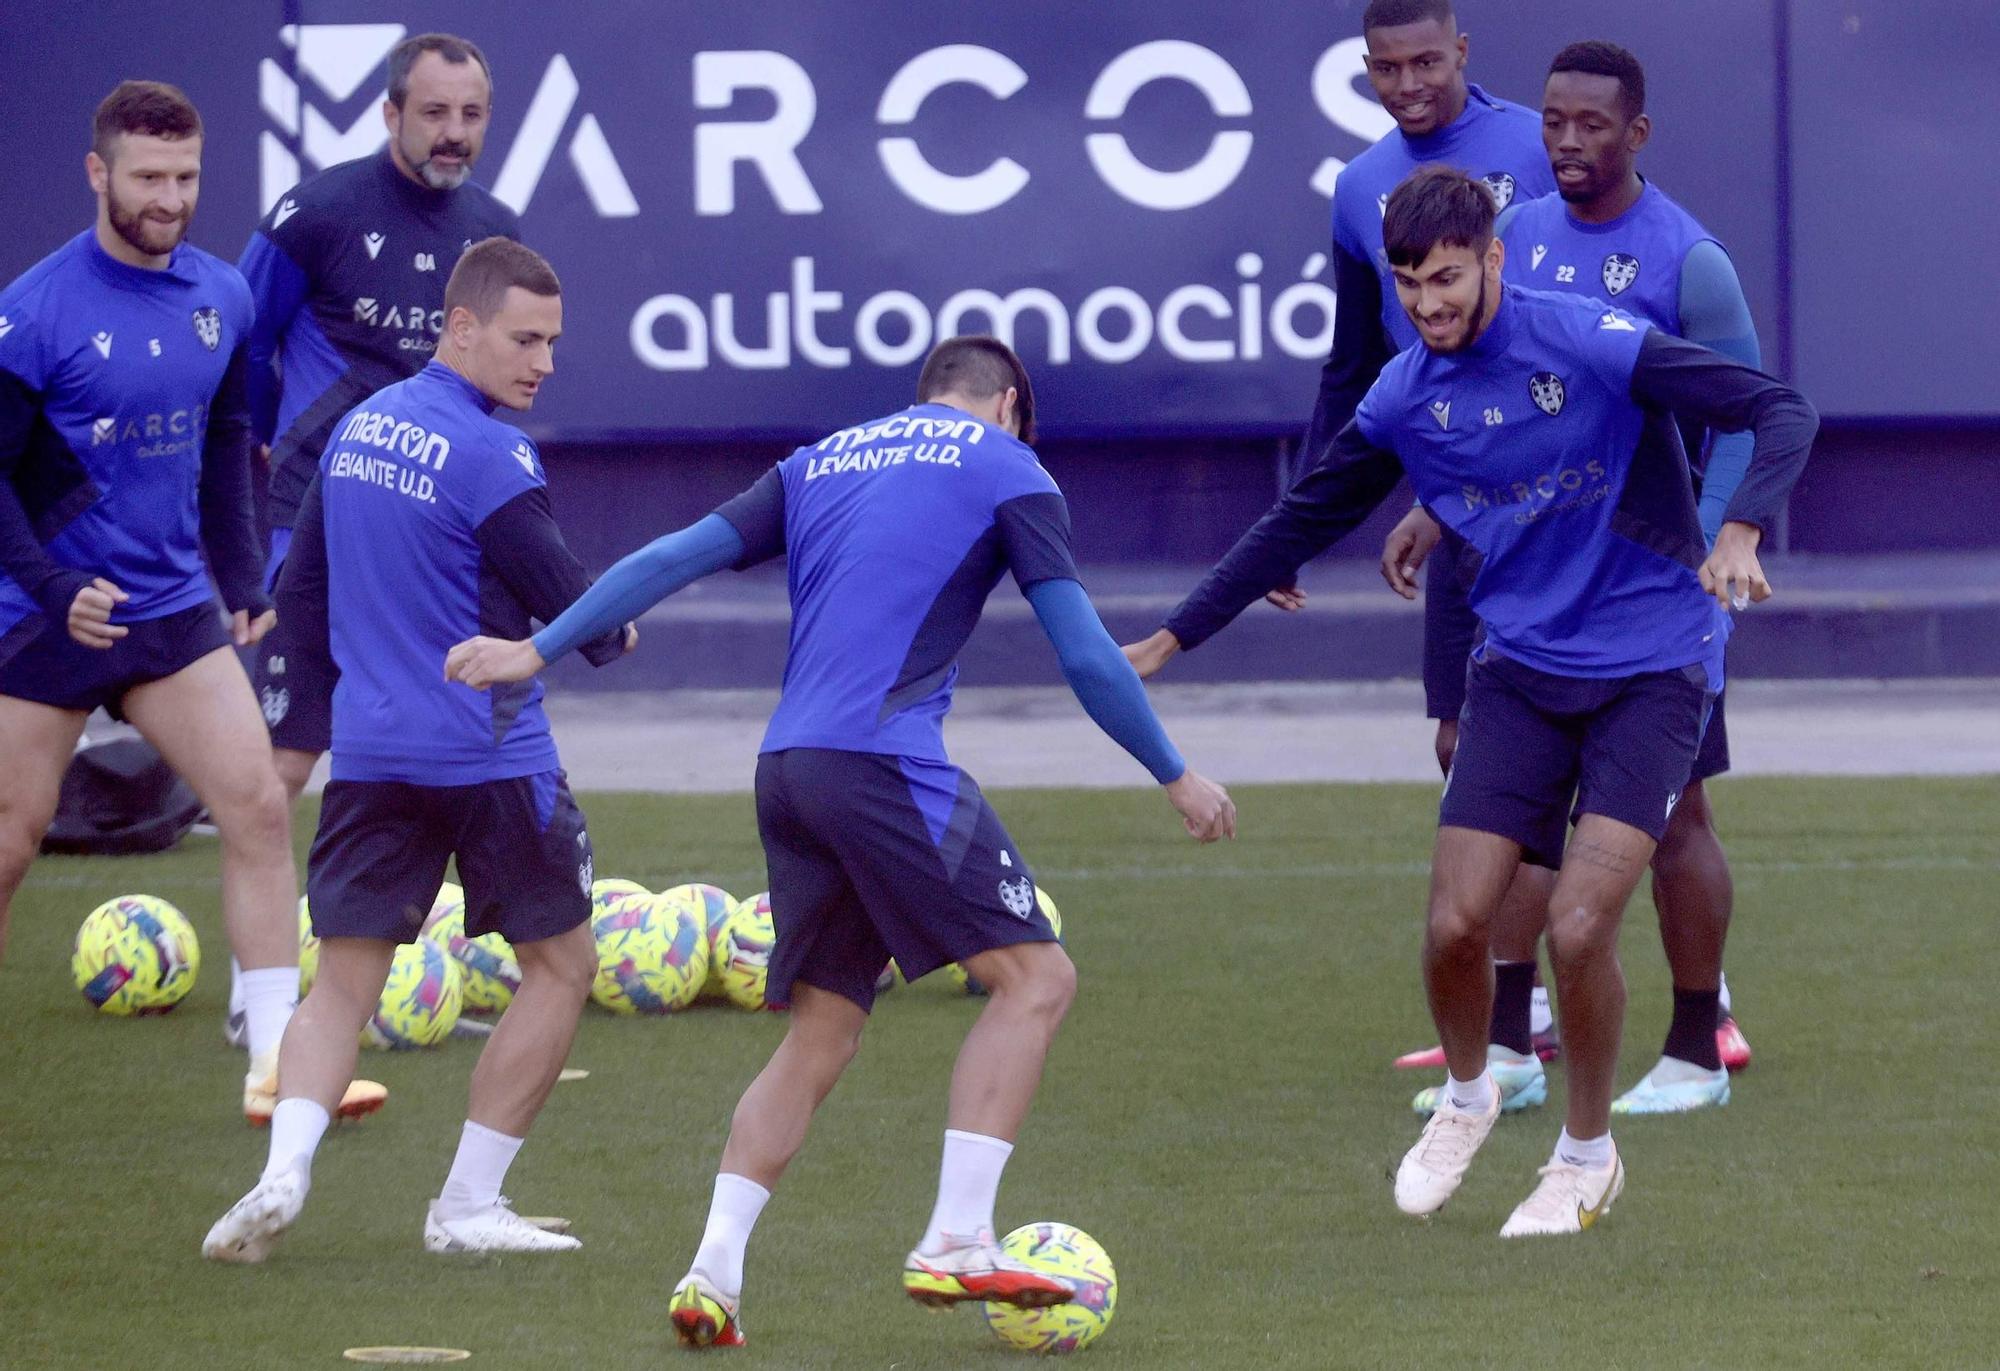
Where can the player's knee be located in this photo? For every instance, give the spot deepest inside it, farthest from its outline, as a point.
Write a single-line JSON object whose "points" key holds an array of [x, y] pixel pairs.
{"points": [[1455, 929], [1579, 934], [294, 770], [1038, 978], [256, 814], [21, 830], [568, 961]]}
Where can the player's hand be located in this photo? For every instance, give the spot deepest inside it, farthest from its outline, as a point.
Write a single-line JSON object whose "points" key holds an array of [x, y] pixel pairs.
{"points": [[1732, 573], [245, 631], [1405, 549], [1447, 744], [1291, 599], [1148, 655], [485, 662], [90, 614], [1205, 807], [631, 638]]}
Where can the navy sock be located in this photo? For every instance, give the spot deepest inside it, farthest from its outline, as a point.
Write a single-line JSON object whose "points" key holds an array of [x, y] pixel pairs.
{"points": [[1513, 991], [1691, 1035]]}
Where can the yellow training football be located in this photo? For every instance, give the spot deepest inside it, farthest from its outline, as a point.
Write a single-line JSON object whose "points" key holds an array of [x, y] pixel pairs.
{"points": [[136, 954], [489, 972], [1056, 1249], [744, 950], [420, 1003], [308, 949], [652, 953]]}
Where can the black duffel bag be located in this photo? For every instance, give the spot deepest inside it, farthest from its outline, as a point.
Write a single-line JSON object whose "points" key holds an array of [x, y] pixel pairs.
{"points": [[118, 797]]}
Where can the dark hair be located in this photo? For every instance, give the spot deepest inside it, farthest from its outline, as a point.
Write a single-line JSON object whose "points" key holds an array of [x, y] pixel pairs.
{"points": [[480, 280], [1436, 206], [446, 45], [1595, 57], [152, 108], [1390, 14], [977, 367]]}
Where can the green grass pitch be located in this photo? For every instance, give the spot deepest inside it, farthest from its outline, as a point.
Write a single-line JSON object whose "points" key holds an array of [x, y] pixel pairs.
{"points": [[1219, 1111]]}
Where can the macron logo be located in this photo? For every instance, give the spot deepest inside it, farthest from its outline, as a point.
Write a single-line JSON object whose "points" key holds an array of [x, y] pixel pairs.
{"points": [[525, 458], [1441, 411], [6, 326], [1535, 257], [285, 211], [102, 342], [373, 242], [1614, 322]]}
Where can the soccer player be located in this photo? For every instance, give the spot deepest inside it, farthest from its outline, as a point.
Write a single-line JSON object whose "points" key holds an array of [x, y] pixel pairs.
{"points": [[1417, 66], [1540, 427], [347, 273], [877, 845], [1611, 234], [124, 483], [429, 520]]}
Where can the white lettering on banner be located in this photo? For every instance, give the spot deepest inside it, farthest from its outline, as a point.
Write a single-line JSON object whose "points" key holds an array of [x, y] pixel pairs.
{"points": [[335, 60], [1113, 157], [1112, 324], [769, 145], [1334, 91]]}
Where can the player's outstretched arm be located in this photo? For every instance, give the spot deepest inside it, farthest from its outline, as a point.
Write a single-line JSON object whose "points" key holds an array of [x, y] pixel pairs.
{"points": [[228, 517], [1109, 691], [631, 587], [1324, 504], [1685, 378]]}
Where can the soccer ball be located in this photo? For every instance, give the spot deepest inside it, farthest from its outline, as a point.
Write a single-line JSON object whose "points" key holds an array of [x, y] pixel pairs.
{"points": [[136, 954], [308, 949], [420, 1002], [488, 971], [450, 893], [652, 953], [610, 890], [716, 906], [744, 951], [1056, 1249], [969, 983]]}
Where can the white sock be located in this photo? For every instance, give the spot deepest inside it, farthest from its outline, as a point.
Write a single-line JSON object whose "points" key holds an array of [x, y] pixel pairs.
{"points": [[270, 994], [477, 1171], [235, 987], [968, 1181], [732, 1213], [1475, 1094], [1595, 1153], [1540, 1019], [1722, 984], [297, 1125]]}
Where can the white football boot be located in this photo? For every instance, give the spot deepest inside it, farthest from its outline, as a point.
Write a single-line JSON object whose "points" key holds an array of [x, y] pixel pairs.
{"points": [[1569, 1199], [253, 1225], [1431, 1170], [494, 1229]]}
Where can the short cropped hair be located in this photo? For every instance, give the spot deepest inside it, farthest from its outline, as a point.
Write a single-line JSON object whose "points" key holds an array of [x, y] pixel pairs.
{"points": [[978, 367], [151, 108], [1436, 206], [1594, 57], [1390, 14], [449, 46], [480, 280]]}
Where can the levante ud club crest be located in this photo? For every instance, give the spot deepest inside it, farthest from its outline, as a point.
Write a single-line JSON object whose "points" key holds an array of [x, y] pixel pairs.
{"points": [[1547, 389], [1499, 185], [1620, 271], [208, 327]]}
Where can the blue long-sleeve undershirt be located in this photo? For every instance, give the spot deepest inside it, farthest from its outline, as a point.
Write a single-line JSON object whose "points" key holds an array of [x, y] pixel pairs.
{"points": [[1104, 682], [1715, 314], [640, 581]]}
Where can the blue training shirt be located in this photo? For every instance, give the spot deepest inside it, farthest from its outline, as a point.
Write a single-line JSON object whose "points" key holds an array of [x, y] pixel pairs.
{"points": [[348, 270], [1633, 261], [897, 530], [1496, 141], [124, 434], [429, 524]]}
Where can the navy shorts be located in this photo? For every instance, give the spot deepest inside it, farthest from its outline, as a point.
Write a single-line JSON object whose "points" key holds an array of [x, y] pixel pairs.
{"points": [[294, 686], [1535, 748], [873, 857], [379, 856], [1713, 758], [52, 668]]}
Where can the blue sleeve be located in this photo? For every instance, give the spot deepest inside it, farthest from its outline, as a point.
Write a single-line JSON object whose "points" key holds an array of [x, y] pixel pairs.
{"points": [[640, 581], [277, 289], [1715, 314], [1105, 684]]}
